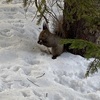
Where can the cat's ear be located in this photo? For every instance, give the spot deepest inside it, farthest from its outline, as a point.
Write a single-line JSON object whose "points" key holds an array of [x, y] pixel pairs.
{"points": [[45, 26]]}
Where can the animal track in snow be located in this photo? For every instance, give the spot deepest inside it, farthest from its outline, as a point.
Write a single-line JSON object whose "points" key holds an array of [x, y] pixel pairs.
{"points": [[63, 77], [5, 33], [32, 62], [4, 76], [36, 93], [18, 25], [16, 68], [25, 94]]}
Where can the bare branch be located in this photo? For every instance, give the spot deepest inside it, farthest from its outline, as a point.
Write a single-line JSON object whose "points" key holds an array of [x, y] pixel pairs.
{"points": [[33, 82], [41, 13], [41, 75]]}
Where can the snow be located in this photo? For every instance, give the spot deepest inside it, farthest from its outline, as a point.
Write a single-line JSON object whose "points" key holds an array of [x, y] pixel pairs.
{"points": [[27, 71]]}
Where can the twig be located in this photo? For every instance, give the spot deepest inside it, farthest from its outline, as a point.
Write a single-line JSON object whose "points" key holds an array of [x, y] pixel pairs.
{"points": [[41, 75], [33, 82], [46, 94], [34, 16], [41, 13]]}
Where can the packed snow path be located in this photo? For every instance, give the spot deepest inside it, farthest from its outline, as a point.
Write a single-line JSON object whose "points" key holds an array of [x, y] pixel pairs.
{"points": [[27, 72]]}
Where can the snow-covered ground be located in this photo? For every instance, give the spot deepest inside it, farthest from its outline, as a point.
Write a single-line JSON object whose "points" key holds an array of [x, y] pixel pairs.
{"points": [[27, 72]]}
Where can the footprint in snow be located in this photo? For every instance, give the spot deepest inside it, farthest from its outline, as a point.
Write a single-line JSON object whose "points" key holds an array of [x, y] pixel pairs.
{"points": [[32, 62], [5, 33], [25, 94]]}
